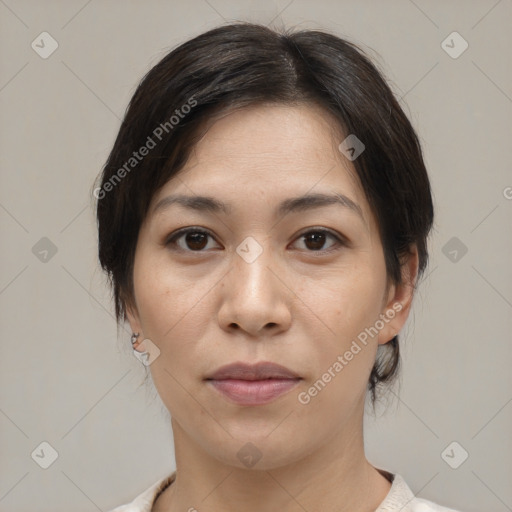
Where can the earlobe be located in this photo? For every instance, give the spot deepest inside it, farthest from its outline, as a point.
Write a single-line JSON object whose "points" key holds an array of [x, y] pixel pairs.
{"points": [[400, 298]]}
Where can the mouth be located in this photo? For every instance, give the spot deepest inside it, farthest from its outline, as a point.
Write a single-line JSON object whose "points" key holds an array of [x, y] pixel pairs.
{"points": [[258, 384]]}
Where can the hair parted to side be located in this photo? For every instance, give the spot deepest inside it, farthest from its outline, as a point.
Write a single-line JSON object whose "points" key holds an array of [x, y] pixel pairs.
{"points": [[244, 64]]}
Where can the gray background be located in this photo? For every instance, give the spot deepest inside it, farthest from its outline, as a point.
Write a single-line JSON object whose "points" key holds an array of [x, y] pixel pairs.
{"points": [[68, 378]]}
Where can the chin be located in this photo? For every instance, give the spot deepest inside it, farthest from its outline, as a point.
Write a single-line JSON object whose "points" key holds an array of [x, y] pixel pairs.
{"points": [[261, 452]]}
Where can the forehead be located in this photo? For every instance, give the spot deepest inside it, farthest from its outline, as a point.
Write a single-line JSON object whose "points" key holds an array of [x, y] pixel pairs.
{"points": [[276, 135], [268, 152]]}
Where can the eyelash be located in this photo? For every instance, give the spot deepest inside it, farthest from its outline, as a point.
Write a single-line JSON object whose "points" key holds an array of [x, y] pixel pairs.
{"points": [[171, 240]]}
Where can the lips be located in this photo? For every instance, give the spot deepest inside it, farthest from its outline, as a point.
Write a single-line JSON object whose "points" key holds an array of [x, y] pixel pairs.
{"points": [[258, 384], [258, 371]]}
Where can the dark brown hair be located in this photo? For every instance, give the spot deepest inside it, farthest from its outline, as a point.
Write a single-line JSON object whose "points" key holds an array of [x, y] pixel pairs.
{"points": [[242, 64]]}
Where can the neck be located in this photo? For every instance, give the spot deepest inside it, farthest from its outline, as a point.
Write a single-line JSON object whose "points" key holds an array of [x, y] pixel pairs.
{"points": [[336, 477]]}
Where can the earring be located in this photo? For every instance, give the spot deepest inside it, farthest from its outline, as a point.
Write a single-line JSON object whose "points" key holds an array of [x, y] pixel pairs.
{"points": [[134, 337], [136, 344], [142, 355]]}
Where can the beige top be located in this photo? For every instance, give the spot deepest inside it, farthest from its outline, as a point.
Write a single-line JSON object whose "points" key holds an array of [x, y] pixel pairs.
{"points": [[399, 499]]}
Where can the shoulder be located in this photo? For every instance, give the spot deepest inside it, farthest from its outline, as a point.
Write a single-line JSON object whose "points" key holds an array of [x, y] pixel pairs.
{"points": [[420, 505], [401, 498], [144, 501]]}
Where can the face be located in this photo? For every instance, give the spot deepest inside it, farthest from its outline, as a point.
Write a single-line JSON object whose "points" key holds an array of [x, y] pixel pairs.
{"points": [[264, 278]]}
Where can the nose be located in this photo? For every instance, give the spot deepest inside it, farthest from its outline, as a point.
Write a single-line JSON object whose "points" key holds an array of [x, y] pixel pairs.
{"points": [[255, 298]]}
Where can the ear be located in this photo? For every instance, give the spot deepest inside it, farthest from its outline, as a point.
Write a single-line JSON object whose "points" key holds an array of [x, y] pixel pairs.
{"points": [[398, 300], [133, 318], [132, 315]]}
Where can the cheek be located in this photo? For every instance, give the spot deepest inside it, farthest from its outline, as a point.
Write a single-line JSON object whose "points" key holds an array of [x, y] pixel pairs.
{"points": [[174, 314], [168, 302], [168, 307], [354, 303], [344, 357], [343, 360]]}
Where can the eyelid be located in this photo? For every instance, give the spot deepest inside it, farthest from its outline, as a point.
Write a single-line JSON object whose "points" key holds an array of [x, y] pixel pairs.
{"points": [[327, 231]]}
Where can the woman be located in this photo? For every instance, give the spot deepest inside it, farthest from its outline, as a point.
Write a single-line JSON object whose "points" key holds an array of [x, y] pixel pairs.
{"points": [[263, 218]]}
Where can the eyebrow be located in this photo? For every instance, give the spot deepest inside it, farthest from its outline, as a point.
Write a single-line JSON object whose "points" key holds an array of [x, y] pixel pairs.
{"points": [[295, 204]]}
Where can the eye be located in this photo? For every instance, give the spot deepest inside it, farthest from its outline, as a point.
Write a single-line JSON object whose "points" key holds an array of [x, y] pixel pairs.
{"points": [[315, 239], [196, 240]]}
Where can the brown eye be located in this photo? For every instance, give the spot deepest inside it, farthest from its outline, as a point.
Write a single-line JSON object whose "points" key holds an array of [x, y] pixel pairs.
{"points": [[195, 240], [315, 239]]}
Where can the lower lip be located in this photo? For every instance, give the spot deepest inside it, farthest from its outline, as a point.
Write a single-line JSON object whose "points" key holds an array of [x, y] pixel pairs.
{"points": [[254, 392]]}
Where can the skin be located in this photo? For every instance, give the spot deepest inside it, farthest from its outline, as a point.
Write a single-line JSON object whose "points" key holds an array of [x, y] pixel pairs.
{"points": [[204, 306]]}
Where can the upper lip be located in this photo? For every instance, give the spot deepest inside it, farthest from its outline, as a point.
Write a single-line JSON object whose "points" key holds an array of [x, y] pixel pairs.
{"points": [[258, 371]]}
